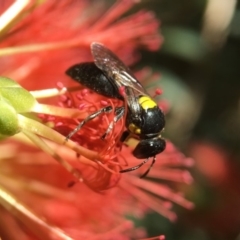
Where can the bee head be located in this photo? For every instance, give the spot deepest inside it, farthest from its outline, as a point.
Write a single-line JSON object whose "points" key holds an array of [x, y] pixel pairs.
{"points": [[149, 147]]}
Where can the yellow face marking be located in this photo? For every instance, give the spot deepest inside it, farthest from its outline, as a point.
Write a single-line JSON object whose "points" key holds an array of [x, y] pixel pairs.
{"points": [[138, 131], [146, 102], [134, 129]]}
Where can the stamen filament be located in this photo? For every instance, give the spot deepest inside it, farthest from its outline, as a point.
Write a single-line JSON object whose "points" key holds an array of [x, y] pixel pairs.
{"points": [[29, 218], [12, 13]]}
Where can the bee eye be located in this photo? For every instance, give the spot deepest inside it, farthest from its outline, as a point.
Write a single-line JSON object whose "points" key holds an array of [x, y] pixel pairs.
{"points": [[149, 147]]}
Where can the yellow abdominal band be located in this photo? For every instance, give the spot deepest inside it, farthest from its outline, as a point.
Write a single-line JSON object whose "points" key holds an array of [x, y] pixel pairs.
{"points": [[146, 102]]}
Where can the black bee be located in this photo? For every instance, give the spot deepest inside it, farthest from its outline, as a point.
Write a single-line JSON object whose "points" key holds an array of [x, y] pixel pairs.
{"points": [[144, 119]]}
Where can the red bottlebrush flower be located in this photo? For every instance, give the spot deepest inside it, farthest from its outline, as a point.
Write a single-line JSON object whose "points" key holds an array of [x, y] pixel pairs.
{"points": [[66, 29], [37, 44], [115, 157]]}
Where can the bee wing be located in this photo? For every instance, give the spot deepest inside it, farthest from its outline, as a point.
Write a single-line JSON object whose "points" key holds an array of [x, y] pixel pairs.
{"points": [[114, 68]]}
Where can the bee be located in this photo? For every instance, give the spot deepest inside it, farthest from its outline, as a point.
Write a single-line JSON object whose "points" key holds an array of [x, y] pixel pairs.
{"points": [[144, 119]]}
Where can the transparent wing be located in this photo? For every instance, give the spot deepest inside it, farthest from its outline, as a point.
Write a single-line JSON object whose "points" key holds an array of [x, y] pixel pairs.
{"points": [[114, 68]]}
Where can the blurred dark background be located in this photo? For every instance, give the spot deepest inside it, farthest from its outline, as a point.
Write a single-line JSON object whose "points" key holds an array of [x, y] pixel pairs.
{"points": [[199, 64]]}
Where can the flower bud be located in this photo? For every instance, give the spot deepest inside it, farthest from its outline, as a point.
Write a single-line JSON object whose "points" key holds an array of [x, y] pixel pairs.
{"points": [[16, 96]]}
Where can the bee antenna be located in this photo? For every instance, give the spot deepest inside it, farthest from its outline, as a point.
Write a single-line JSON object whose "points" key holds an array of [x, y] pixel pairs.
{"points": [[153, 161], [134, 168]]}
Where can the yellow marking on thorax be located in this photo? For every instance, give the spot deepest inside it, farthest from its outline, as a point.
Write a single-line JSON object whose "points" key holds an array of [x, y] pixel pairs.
{"points": [[146, 102], [134, 129]]}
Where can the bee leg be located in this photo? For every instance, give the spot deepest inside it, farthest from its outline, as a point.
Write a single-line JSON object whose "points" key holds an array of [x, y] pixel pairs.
{"points": [[87, 119], [124, 136], [119, 113], [134, 168]]}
